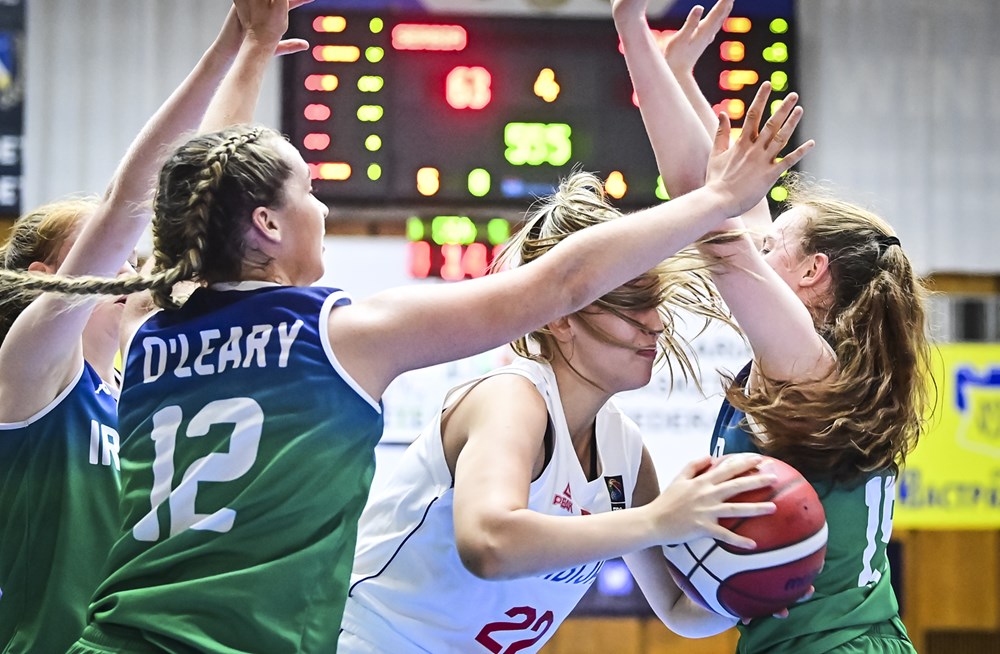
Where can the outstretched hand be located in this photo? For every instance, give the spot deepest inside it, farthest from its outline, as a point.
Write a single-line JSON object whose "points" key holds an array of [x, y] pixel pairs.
{"points": [[746, 170], [252, 15], [691, 506], [686, 45]]}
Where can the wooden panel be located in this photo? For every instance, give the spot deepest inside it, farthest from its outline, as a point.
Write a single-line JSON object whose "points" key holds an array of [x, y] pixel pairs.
{"points": [[597, 636], [634, 636], [963, 642], [951, 581], [660, 640]]}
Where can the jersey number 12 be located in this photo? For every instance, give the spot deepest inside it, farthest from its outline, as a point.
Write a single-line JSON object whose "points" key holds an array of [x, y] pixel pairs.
{"points": [[247, 419]]}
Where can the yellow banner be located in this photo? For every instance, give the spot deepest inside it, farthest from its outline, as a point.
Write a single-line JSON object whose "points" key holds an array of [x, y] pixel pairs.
{"points": [[952, 479]]}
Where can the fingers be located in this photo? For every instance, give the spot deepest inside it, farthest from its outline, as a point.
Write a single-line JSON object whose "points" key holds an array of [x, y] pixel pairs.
{"points": [[746, 509], [695, 467], [795, 156], [782, 122], [292, 4], [751, 124], [692, 21], [721, 143], [724, 535], [732, 487], [731, 466], [717, 15], [291, 46], [778, 129]]}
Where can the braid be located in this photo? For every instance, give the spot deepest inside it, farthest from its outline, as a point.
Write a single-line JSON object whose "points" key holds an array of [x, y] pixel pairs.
{"points": [[182, 235], [20, 287]]}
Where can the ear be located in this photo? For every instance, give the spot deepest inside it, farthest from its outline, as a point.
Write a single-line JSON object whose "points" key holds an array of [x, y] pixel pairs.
{"points": [[38, 266], [818, 271], [561, 329], [264, 223]]}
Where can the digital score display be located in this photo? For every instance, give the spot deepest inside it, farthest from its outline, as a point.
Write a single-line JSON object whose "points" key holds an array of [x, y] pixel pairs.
{"points": [[453, 247], [426, 110]]}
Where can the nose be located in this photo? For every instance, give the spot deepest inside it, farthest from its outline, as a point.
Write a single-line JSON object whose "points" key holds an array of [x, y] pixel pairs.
{"points": [[651, 321], [126, 269]]}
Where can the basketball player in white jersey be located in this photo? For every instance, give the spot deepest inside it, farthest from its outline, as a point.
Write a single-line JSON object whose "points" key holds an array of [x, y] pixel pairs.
{"points": [[503, 511], [235, 212]]}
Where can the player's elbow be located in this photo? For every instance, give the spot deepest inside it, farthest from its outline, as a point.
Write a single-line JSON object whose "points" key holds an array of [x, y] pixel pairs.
{"points": [[484, 551], [483, 557]]}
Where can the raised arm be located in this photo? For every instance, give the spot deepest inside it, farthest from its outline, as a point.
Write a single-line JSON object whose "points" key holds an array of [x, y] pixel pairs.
{"points": [[788, 349], [681, 52], [686, 46], [418, 326], [44, 348], [681, 144], [261, 24]]}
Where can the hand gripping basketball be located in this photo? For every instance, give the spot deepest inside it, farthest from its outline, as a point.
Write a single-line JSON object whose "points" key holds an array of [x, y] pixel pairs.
{"points": [[791, 547]]}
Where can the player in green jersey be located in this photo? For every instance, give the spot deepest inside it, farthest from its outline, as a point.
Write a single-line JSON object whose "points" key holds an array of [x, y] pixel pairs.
{"points": [[835, 317], [59, 485], [59, 443]]}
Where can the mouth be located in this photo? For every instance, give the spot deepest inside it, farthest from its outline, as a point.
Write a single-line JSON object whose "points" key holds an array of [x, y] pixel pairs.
{"points": [[121, 300], [647, 353]]}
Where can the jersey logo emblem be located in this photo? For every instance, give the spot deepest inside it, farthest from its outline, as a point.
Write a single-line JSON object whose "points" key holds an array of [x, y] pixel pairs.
{"points": [[565, 501], [616, 492]]}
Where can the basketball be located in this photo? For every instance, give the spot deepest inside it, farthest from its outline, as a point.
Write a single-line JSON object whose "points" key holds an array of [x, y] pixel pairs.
{"points": [[791, 546]]}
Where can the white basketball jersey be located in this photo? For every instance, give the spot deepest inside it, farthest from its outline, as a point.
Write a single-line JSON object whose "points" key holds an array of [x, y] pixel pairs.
{"points": [[409, 590]]}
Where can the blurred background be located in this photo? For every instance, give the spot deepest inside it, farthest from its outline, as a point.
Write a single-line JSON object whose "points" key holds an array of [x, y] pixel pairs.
{"points": [[431, 125]]}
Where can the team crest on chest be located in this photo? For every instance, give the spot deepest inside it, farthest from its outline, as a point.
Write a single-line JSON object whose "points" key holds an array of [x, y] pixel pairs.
{"points": [[616, 492]]}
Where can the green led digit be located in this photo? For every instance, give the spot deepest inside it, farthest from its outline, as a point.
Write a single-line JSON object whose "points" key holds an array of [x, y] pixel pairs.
{"points": [[534, 144], [525, 143], [557, 137]]}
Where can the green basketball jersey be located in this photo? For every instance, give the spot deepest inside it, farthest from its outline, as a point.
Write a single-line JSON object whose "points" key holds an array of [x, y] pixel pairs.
{"points": [[853, 591], [59, 493], [247, 455]]}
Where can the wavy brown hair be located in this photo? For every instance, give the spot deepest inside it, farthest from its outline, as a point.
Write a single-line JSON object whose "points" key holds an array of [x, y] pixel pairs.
{"points": [[679, 283], [206, 193], [869, 413]]}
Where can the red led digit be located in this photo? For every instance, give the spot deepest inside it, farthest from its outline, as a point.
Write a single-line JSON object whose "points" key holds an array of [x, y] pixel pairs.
{"points": [[420, 259], [468, 87], [451, 269], [474, 262]]}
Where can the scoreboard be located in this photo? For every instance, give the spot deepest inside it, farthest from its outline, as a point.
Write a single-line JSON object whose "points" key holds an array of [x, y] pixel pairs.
{"points": [[466, 117]]}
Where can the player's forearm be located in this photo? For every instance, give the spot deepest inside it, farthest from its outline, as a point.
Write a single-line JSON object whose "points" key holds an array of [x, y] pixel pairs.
{"points": [[236, 99], [679, 139], [524, 542], [696, 99], [692, 621]]}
